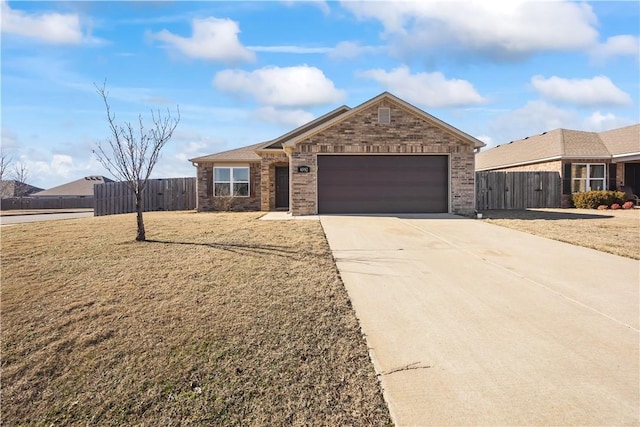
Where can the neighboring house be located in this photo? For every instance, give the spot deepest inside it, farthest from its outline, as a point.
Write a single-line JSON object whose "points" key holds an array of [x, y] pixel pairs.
{"points": [[585, 160], [13, 188], [383, 156], [82, 187]]}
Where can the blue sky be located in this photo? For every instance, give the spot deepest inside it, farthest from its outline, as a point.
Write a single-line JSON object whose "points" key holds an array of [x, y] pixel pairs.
{"points": [[246, 72]]}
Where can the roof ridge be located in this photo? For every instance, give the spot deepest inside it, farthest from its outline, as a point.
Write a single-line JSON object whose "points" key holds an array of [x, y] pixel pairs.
{"points": [[307, 126], [402, 104], [246, 147]]}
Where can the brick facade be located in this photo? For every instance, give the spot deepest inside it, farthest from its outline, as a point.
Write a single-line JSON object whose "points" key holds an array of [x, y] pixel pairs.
{"points": [[361, 134], [207, 202], [268, 177], [355, 132], [554, 166]]}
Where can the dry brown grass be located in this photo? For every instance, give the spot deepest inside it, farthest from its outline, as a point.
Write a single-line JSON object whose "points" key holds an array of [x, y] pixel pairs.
{"points": [[221, 319], [612, 231]]}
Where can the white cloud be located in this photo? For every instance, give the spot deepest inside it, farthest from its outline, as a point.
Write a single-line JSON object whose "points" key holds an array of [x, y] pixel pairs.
{"points": [[499, 29], [598, 122], [428, 89], [596, 91], [536, 117], [299, 86], [343, 50], [292, 118], [320, 4], [212, 39], [48, 170], [9, 140], [533, 118], [623, 45], [53, 28], [193, 143], [486, 139], [350, 50], [290, 49]]}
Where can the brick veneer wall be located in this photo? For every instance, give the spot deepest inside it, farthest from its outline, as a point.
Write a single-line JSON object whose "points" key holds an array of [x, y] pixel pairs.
{"points": [[361, 134], [554, 166], [207, 202], [268, 177]]}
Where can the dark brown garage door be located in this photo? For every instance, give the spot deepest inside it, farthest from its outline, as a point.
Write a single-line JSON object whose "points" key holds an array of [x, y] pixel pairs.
{"points": [[383, 184]]}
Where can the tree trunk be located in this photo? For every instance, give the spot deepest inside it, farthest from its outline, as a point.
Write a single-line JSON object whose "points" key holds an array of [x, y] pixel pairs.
{"points": [[141, 234]]}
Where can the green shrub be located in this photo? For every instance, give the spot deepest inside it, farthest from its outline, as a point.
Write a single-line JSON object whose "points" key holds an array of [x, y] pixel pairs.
{"points": [[593, 199]]}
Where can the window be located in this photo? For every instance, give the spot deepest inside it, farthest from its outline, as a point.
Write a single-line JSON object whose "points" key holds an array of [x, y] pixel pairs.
{"points": [[384, 116], [587, 177], [231, 182]]}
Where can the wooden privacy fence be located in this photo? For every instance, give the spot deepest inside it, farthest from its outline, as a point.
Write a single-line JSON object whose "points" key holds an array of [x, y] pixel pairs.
{"points": [[68, 202], [517, 190], [171, 194]]}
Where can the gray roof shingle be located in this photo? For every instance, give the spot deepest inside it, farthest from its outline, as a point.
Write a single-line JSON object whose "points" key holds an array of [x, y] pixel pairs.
{"points": [[561, 143], [12, 188], [622, 140], [242, 154], [79, 187]]}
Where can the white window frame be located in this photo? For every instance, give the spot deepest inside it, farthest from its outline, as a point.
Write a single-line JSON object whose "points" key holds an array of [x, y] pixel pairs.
{"points": [[588, 177], [231, 181]]}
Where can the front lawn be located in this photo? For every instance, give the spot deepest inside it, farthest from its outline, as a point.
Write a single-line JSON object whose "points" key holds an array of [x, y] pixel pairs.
{"points": [[220, 319], [613, 231]]}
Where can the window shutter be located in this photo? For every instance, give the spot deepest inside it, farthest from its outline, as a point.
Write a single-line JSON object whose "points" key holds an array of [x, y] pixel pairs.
{"points": [[384, 116], [612, 184], [566, 178]]}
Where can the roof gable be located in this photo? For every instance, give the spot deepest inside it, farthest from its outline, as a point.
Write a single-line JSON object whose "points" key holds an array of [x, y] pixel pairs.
{"points": [[578, 143], [547, 145], [622, 141], [242, 154], [373, 101], [278, 142], [251, 153]]}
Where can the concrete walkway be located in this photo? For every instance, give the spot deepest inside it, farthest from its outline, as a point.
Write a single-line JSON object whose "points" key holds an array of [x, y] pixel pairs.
{"points": [[475, 324], [286, 216]]}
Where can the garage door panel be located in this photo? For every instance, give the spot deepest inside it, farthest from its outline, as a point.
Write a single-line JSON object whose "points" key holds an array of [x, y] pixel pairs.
{"points": [[382, 184]]}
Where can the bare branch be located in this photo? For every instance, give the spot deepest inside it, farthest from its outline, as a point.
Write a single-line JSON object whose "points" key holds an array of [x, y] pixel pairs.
{"points": [[20, 177], [5, 164], [133, 153]]}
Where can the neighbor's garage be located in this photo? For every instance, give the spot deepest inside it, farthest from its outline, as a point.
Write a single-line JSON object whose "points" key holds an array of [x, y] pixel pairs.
{"points": [[383, 184]]}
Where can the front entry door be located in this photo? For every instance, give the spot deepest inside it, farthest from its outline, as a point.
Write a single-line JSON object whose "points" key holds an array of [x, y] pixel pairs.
{"points": [[282, 187]]}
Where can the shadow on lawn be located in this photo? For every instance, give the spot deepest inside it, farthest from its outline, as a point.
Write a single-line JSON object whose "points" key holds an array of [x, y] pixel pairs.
{"points": [[238, 248], [534, 214]]}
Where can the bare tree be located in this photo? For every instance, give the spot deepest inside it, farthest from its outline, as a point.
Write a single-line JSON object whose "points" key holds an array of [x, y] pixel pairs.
{"points": [[20, 178], [5, 164], [132, 152]]}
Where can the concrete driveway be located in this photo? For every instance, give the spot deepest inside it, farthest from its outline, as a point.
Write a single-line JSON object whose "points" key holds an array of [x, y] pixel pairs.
{"points": [[470, 323]]}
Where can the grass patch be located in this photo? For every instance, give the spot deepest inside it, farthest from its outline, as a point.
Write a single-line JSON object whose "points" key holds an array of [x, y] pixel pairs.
{"points": [[612, 231], [220, 319]]}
